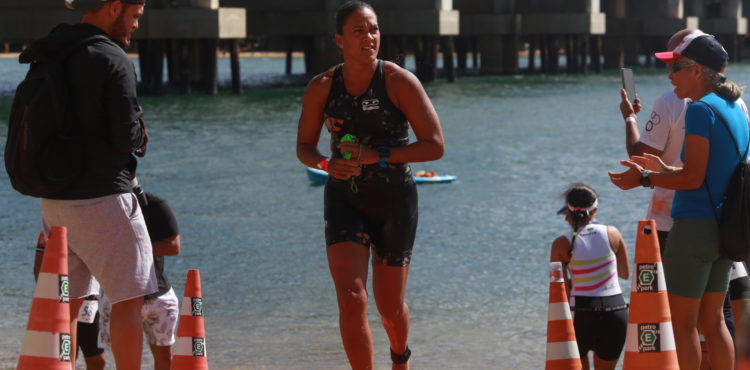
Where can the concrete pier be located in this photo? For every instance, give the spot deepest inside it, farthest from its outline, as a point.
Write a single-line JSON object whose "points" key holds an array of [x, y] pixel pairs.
{"points": [[575, 26], [725, 20], [486, 35], [309, 26], [189, 37], [493, 28]]}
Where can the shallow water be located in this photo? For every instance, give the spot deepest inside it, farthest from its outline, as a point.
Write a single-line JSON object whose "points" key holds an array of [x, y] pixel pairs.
{"points": [[252, 224]]}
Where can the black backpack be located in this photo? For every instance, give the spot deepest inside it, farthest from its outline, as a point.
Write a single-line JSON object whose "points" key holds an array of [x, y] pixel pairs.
{"points": [[44, 150], [734, 224]]}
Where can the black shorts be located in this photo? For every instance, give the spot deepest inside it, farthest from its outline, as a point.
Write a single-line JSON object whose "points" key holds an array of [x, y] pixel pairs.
{"points": [[381, 216], [599, 330], [88, 338]]}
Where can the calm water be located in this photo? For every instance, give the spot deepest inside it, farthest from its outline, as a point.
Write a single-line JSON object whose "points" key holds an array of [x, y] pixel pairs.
{"points": [[252, 224]]}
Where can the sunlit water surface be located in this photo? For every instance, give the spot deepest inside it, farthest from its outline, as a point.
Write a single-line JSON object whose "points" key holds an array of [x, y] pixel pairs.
{"points": [[252, 223]]}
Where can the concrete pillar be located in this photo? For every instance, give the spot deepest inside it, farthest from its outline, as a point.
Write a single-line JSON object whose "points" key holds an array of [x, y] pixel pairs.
{"points": [[632, 47], [447, 48], [553, 53], [196, 62], [543, 53], [403, 47], [173, 53], [462, 51], [389, 48], [596, 53], [184, 61], [583, 48], [321, 53], [570, 57], [614, 52], [474, 52], [511, 47], [491, 49], [533, 43], [209, 67], [289, 52], [151, 61], [234, 57], [426, 58]]}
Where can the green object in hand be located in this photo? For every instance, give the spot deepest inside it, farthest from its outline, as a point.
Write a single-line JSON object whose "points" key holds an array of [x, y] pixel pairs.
{"points": [[348, 138]]}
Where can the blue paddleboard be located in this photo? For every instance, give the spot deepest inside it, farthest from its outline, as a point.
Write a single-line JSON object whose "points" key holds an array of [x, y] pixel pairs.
{"points": [[318, 177]]}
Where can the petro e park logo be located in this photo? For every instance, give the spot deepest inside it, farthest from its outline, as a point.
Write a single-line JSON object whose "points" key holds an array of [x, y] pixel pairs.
{"points": [[65, 344], [199, 347], [63, 291], [649, 338], [647, 276], [196, 305]]}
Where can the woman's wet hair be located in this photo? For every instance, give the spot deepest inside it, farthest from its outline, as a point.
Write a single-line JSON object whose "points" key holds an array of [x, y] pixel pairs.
{"points": [[346, 9], [721, 85]]}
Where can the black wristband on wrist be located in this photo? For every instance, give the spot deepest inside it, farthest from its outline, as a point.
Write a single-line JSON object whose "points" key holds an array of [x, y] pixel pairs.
{"points": [[645, 180]]}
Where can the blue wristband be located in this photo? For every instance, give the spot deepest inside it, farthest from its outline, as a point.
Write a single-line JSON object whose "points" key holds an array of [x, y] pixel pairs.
{"points": [[385, 153]]}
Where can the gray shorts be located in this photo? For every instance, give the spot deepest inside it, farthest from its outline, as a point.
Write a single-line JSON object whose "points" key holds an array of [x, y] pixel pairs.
{"points": [[108, 240], [692, 262]]}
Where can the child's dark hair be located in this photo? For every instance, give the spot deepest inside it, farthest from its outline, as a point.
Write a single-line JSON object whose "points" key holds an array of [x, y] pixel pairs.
{"points": [[347, 8], [581, 197]]}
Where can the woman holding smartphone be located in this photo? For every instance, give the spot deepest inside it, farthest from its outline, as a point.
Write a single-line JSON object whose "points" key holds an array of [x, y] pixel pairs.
{"points": [[368, 106], [697, 275]]}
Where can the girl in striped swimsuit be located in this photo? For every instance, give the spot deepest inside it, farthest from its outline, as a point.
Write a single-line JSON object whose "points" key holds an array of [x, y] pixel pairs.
{"points": [[595, 256]]}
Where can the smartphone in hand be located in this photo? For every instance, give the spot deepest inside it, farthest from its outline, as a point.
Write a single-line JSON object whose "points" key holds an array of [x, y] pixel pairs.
{"points": [[628, 83]]}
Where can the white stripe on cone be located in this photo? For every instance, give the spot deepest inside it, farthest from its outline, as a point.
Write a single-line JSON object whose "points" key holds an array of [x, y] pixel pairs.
{"points": [[183, 346], [48, 286], [41, 344], [559, 311], [662, 282], [186, 308], [562, 351], [666, 337]]}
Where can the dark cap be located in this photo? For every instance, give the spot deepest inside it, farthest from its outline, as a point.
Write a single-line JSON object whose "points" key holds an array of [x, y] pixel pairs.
{"points": [[700, 47], [89, 5]]}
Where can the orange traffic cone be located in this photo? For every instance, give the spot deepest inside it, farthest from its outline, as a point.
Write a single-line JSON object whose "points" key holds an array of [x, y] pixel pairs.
{"points": [[190, 347], [562, 349], [650, 341], [47, 343]]}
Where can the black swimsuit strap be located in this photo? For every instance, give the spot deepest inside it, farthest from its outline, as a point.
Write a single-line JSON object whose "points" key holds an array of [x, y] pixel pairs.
{"points": [[377, 84]]}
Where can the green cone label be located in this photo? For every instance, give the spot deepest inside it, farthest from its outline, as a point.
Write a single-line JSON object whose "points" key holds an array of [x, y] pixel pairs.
{"points": [[65, 344], [64, 294]]}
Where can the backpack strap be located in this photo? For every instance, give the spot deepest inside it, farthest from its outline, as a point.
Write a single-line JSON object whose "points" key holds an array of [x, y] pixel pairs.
{"points": [[741, 159], [726, 126], [70, 119]]}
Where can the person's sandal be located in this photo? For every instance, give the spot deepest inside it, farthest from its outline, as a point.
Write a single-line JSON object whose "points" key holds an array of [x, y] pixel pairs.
{"points": [[402, 358]]}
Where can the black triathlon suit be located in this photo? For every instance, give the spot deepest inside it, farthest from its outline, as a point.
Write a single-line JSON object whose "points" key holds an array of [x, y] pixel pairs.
{"points": [[378, 208]]}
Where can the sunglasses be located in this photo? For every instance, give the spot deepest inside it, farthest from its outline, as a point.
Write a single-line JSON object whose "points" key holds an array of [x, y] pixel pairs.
{"points": [[677, 66]]}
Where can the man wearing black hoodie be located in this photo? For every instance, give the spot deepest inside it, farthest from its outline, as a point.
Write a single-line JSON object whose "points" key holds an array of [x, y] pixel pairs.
{"points": [[107, 235]]}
